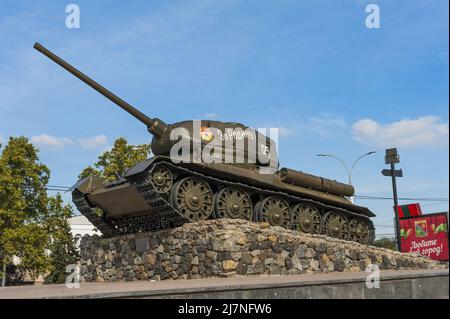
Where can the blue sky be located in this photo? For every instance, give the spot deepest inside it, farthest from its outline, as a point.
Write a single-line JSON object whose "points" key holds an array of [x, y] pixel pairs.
{"points": [[311, 68]]}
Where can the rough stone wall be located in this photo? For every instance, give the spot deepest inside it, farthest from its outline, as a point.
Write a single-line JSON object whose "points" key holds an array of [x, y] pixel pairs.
{"points": [[227, 247]]}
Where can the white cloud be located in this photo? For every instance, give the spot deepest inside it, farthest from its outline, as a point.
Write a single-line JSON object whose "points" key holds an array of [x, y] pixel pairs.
{"points": [[93, 142], [47, 141], [426, 131], [52, 142]]}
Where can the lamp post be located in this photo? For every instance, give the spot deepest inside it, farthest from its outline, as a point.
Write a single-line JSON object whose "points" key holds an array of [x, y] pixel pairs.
{"points": [[349, 171]]}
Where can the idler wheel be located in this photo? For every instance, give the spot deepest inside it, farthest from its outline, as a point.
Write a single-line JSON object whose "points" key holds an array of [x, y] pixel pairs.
{"points": [[359, 231], [193, 198], [306, 218], [335, 224], [275, 211], [161, 178], [233, 202]]}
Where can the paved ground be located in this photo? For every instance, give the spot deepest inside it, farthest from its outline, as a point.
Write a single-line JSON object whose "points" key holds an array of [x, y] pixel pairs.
{"points": [[174, 287]]}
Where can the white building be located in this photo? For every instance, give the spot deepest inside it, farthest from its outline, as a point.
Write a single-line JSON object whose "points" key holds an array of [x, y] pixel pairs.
{"points": [[80, 226]]}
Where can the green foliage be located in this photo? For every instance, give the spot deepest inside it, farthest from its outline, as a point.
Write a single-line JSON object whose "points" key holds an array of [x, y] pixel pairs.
{"points": [[31, 222], [114, 163], [22, 200], [62, 246], [34, 226], [386, 243]]}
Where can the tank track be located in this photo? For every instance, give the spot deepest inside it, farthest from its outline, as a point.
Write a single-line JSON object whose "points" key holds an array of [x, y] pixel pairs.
{"points": [[166, 216], [89, 212]]}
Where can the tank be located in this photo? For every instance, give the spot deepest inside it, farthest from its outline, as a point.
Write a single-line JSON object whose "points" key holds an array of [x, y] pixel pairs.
{"points": [[211, 169]]}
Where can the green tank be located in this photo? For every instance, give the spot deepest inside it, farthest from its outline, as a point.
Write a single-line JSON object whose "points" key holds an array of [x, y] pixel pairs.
{"points": [[211, 169]]}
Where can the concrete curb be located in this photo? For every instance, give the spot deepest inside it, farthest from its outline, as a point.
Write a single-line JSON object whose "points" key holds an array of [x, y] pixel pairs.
{"points": [[393, 284]]}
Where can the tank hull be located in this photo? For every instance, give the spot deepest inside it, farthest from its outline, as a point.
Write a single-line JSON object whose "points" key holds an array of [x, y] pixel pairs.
{"points": [[134, 203]]}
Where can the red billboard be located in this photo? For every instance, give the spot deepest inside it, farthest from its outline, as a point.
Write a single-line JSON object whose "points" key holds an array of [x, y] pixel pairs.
{"points": [[426, 234]]}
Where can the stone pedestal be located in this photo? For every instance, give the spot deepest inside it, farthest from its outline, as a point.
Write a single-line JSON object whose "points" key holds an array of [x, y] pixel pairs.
{"points": [[226, 247]]}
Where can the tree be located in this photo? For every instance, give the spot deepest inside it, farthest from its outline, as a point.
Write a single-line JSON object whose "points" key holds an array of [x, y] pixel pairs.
{"points": [[62, 246], [114, 163], [31, 223], [22, 198]]}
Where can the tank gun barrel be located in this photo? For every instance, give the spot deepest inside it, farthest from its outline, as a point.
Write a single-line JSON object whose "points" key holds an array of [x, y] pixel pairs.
{"points": [[155, 126]]}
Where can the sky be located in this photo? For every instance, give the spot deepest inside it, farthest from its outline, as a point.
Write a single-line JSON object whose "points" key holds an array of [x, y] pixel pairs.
{"points": [[310, 68]]}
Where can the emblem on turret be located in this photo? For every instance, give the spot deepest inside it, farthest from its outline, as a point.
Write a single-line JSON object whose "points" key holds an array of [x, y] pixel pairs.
{"points": [[206, 134]]}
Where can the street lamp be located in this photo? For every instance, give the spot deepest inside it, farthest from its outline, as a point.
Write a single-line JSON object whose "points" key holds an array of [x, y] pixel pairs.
{"points": [[349, 171]]}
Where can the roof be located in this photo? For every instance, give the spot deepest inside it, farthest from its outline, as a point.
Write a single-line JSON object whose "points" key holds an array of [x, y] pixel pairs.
{"points": [[79, 220]]}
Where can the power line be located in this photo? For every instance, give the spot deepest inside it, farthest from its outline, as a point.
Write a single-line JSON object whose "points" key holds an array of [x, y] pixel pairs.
{"points": [[45, 186], [428, 205], [57, 190], [384, 226], [56, 186], [403, 198]]}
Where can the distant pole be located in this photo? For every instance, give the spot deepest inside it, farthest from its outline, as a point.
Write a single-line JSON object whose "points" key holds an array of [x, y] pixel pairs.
{"points": [[391, 158], [394, 190]]}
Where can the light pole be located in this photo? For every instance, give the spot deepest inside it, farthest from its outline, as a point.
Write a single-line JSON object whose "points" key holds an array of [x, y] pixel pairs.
{"points": [[349, 171]]}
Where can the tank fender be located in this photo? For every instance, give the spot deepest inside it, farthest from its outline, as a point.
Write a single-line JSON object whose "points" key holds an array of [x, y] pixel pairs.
{"points": [[140, 167], [89, 184]]}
